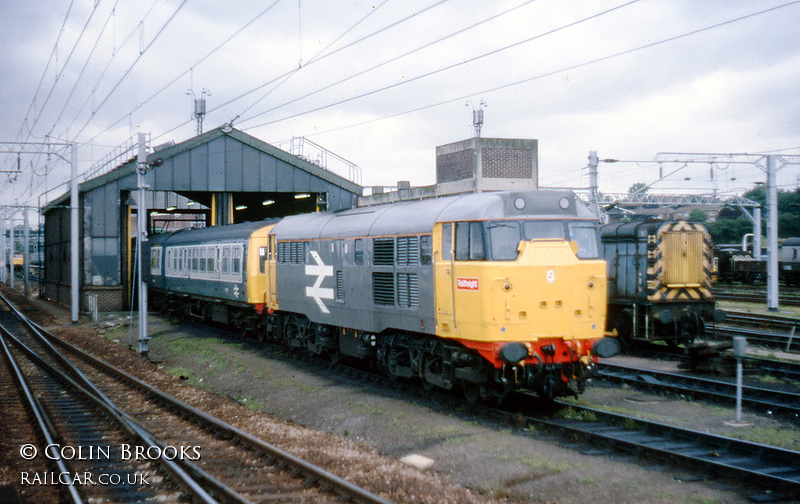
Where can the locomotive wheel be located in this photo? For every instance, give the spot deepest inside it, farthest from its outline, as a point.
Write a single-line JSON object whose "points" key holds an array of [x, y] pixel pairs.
{"points": [[472, 392]]}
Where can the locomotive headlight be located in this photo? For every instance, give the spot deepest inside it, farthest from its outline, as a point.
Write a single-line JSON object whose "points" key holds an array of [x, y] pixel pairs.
{"points": [[563, 203], [519, 203], [507, 286], [590, 285]]}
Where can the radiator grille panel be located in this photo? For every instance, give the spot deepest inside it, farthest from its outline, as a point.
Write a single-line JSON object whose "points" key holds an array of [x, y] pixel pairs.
{"points": [[383, 288]]}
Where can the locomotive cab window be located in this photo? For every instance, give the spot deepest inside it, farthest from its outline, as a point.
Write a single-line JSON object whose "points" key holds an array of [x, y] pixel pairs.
{"points": [[504, 238], [585, 235], [469, 241], [447, 241]]}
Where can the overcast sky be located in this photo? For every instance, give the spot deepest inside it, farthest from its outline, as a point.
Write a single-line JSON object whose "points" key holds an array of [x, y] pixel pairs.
{"points": [[382, 83]]}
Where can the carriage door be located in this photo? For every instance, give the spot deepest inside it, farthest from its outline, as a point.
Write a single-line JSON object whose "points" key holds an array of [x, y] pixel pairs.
{"points": [[272, 281], [444, 279]]}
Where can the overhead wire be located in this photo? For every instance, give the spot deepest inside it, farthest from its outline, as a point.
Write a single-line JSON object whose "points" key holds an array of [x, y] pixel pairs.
{"points": [[448, 67], [540, 76], [88, 59], [347, 46], [108, 65], [85, 66], [66, 62], [278, 78], [130, 68], [44, 72], [315, 57], [195, 64], [389, 61]]}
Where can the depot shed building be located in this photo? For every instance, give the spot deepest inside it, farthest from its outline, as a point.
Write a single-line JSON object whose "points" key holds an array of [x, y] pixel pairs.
{"points": [[221, 177]]}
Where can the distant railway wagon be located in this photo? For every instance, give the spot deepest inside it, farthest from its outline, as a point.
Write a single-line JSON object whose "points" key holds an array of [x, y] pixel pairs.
{"points": [[736, 265], [659, 278], [789, 258], [487, 293]]}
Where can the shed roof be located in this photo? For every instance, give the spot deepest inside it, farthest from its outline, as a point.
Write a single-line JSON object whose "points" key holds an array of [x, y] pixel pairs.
{"points": [[182, 158]]}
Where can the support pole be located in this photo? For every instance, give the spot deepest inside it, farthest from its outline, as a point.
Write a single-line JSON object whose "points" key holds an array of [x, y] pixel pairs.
{"points": [[772, 234], [141, 243], [757, 233], [73, 240], [3, 248], [11, 254], [26, 254], [593, 186]]}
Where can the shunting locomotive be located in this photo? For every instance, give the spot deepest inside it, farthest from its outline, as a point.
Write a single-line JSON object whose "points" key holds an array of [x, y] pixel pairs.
{"points": [[659, 276], [487, 292]]}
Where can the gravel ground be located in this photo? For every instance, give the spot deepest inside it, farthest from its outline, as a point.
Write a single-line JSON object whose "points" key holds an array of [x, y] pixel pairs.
{"points": [[373, 426]]}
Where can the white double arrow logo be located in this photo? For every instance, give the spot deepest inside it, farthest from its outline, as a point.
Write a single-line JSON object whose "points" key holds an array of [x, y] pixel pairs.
{"points": [[317, 292]]}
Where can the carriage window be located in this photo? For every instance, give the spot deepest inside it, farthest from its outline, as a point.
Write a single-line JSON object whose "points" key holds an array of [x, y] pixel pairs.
{"points": [[447, 241], [226, 260], [425, 249], [262, 259], [202, 254], [210, 259], [237, 260], [505, 238], [359, 251]]}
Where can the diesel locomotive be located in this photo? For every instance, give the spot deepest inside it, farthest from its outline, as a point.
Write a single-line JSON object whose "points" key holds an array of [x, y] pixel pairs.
{"points": [[789, 257], [659, 278], [487, 292]]}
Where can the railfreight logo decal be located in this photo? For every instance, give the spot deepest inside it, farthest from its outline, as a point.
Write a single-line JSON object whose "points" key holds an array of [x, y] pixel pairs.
{"points": [[317, 292], [467, 283]]}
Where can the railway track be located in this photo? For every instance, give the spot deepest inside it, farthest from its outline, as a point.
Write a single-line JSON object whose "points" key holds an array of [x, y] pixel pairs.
{"points": [[766, 467], [791, 299], [775, 468], [186, 454], [760, 400]]}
